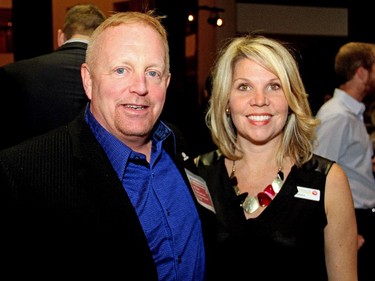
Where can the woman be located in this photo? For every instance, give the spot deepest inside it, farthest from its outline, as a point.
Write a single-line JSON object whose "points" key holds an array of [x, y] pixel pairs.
{"points": [[282, 212]]}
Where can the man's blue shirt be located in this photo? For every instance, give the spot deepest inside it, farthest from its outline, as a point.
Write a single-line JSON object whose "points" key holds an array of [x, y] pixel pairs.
{"points": [[162, 201]]}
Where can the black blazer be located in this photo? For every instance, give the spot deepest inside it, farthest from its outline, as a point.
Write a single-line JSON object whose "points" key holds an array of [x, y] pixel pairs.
{"points": [[41, 93], [63, 209]]}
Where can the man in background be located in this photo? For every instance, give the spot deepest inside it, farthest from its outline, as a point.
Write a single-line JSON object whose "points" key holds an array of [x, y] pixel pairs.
{"points": [[342, 136], [42, 93]]}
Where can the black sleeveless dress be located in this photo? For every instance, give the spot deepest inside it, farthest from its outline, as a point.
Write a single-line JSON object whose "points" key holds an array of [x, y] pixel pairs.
{"points": [[286, 242]]}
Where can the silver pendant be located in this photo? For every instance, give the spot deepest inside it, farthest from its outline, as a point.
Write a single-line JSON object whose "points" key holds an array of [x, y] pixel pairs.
{"points": [[250, 205]]}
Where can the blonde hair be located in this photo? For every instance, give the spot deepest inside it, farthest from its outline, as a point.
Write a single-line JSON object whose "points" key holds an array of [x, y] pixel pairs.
{"points": [[299, 131], [148, 18]]}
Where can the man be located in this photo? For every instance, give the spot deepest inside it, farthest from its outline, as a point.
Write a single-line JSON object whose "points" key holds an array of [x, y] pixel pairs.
{"points": [[42, 93], [108, 193], [342, 136]]}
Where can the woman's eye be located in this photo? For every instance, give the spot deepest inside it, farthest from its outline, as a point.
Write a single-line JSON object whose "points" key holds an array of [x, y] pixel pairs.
{"points": [[243, 87], [275, 87]]}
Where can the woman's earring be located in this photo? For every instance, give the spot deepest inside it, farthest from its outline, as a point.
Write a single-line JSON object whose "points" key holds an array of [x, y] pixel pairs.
{"points": [[227, 111]]}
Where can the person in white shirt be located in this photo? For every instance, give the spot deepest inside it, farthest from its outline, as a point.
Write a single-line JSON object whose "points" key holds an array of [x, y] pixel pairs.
{"points": [[342, 137]]}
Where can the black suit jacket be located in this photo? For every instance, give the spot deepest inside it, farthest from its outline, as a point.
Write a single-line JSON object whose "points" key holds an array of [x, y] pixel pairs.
{"points": [[41, 93], [64, 211]]}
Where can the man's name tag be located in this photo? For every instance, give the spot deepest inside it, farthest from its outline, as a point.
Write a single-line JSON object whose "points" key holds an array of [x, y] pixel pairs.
{"points": [[200, 190]]}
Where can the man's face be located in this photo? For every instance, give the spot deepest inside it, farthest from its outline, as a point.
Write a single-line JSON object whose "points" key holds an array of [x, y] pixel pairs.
{"points": [[127, 85]]}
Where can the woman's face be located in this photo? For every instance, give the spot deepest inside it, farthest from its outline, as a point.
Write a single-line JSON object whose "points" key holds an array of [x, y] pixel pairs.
{"points": [[258, 107]]}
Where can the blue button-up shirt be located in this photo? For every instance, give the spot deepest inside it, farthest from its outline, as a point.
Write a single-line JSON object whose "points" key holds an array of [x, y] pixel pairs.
{"points": [[162, 201]]}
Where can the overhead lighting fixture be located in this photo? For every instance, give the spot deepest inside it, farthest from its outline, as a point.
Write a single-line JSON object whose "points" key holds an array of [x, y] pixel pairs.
{"points": [[190, 17], [215, 19]]}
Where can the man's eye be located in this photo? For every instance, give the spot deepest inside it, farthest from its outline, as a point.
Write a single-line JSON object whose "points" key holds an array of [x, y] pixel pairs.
{"points": [[153, 73], [120, 70]]}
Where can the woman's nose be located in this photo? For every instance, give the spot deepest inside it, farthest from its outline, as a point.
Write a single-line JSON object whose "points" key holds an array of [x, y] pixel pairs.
{"points": [[258, 98]]}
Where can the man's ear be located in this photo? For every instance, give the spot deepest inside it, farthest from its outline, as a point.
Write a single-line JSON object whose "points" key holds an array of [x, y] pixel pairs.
{"points": [[86, 80], [362, 73], [60, 37]]}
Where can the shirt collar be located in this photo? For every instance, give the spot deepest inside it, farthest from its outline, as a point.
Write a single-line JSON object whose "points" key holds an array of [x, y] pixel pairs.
{"points": [[76, 40], [118, 153], [351, 103]]}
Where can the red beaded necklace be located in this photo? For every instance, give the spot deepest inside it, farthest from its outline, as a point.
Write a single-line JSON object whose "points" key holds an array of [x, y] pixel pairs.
{"points": [[264, 198]]}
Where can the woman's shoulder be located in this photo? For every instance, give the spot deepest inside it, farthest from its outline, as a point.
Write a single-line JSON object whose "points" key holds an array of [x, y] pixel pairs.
{"points": [[313, 173], [319, 164], [208, 158]]}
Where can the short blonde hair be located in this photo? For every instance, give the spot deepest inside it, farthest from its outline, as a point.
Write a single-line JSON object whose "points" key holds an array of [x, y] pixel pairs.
{"points": [[149, 18]]}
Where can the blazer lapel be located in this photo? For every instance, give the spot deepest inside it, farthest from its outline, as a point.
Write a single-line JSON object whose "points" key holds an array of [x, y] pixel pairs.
{"points": [[99, 178]]}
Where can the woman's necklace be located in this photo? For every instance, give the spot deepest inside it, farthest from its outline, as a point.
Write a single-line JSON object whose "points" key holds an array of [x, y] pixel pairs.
{"points": [[264, 198]]}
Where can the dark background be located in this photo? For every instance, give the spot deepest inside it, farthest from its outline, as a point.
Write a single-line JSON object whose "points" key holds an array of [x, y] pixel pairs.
{"points": [[32, 33]]}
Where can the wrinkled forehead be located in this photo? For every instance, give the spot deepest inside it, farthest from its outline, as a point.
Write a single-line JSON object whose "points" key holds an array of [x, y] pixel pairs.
{"points": [[130, 40]]}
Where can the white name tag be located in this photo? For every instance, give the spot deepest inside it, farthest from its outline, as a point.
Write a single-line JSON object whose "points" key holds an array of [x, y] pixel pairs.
{"points": [[308, 193], [200, 189]]}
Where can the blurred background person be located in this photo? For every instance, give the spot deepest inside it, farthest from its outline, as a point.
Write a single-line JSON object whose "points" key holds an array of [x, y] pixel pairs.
{"points": [[44, 92], [342, 136]]}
